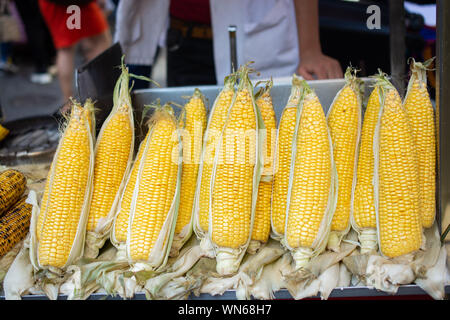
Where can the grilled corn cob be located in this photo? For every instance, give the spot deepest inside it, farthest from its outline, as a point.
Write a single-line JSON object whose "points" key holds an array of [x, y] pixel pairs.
{"points": [[396, 176], [192, 138], [12, 187], [283, 156], [236, 176], [261, 224], [421, 117], [216, 121], [344, 121], [61, 237], [363, 216], [312, 182], [14, 225]]}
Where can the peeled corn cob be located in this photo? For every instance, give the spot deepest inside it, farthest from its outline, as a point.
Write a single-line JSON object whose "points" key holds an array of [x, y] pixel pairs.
{"points": [[236, 176], [3, 132], [113, 154], [216, 121], [283, 156], [421, 117], [12, 187], [61, 237], [192, 138], [312, 182], [344, 121], [155, 201], [364, 216], [14, 225], [261, 224], [396, 176]]}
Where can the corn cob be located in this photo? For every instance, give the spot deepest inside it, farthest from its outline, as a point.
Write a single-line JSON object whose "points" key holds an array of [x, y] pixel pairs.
{"points": [[214, 128], [154, 206], [364, 216], [120, 226], [192, 138], [236, 178], [69, 191], [12, 187], [113, 154], [283, 155], [261, 224], [14, 225], [344, 121], [421, 116], [312, 182], [396, 176], [3, 132]]}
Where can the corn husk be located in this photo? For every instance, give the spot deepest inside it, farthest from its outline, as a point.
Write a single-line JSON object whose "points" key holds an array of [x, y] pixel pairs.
{"points": [[355, 84], [249, 272], [303, 255], [95, 239]]}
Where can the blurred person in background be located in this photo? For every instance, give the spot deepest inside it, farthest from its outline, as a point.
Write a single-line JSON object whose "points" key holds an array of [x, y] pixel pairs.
{"points": [[280, 36], [39, 40], [93, 36], [10, 32]]}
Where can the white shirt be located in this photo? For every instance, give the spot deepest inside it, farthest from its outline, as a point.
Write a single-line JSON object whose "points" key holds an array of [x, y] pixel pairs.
{"points": [[266, 33]]}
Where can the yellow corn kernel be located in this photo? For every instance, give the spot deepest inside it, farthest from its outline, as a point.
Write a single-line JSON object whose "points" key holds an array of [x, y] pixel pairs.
{"points": [[156, 189], [231, 210], [111, 161], [400, 227], [343, 122], [282, 168], [364, 207], [124, 207], [67, 192], [213, 134], [195, 125], [312, 177], [421, 117], [261, 224]]}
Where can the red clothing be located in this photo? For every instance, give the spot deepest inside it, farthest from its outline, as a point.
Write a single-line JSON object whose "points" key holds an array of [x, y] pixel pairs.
{"points": [[191, 10], [92, 23]]}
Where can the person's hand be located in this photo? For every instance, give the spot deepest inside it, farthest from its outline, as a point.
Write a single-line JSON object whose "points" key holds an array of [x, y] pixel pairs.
{"points": [[315, 66]]}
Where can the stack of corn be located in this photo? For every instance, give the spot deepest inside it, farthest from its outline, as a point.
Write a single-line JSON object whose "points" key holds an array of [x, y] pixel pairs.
{"points": [[282, 163], [261, 225], [235, 179], [15, 214], [194, 125], [344, 121], [145, 222], [113, 155], [58, 232], [312, 191]]}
